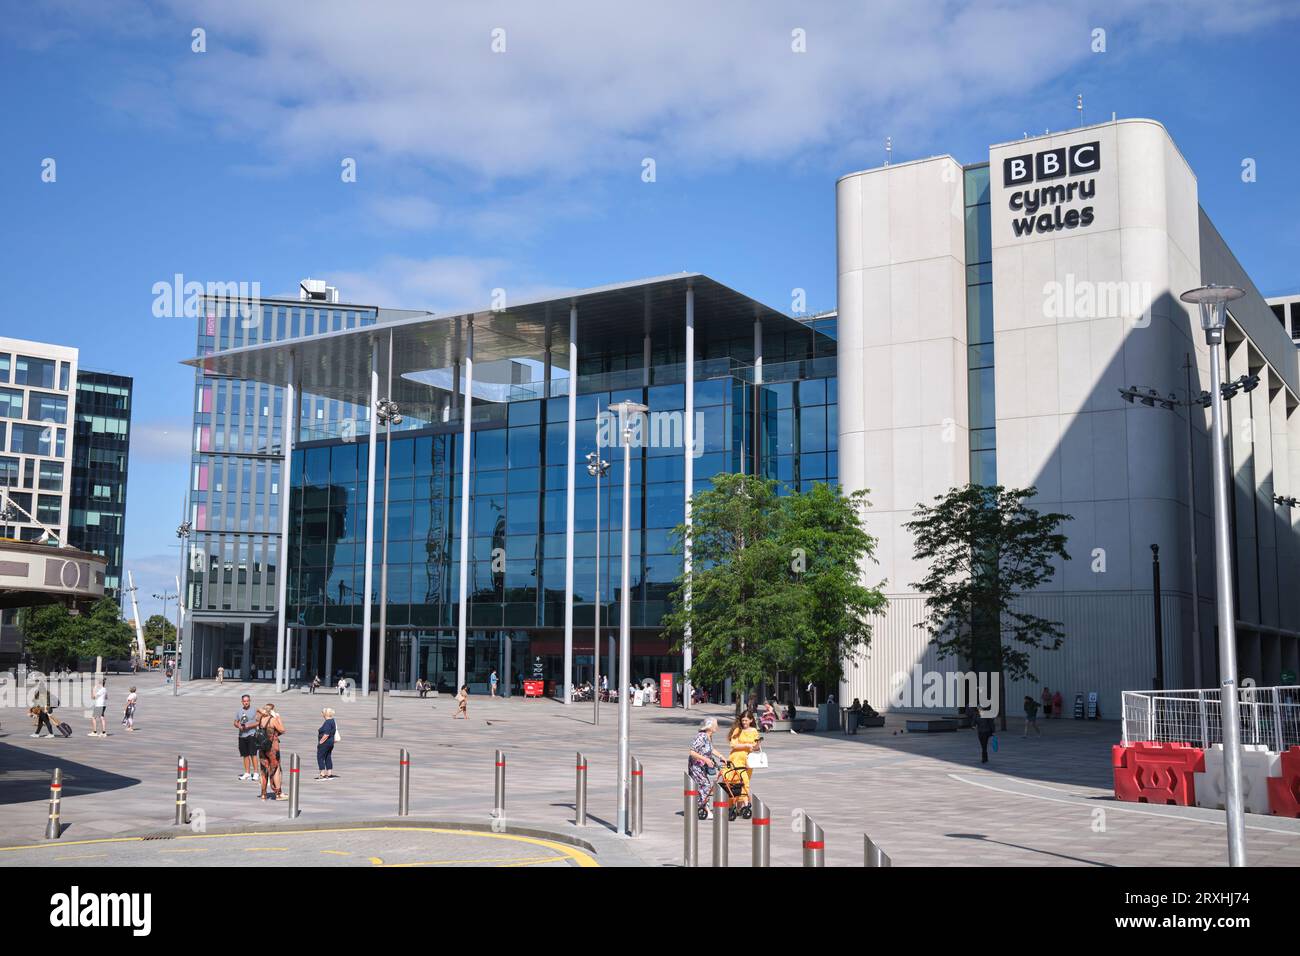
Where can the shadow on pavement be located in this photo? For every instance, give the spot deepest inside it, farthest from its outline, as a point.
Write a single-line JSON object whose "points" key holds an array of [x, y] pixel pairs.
{"points": [[25, 774]]}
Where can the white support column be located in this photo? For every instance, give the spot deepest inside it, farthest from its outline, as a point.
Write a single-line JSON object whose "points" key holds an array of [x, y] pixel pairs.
{"points": [[246, 669], [466, 483], [688, 433], [368, 579], [567, 679], [288, 429]]}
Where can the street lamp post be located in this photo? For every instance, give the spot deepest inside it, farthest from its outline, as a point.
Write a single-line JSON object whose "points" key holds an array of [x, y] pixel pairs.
{"points": [[598, 468], [182, 532], [625, 412], [1158, 626], [388, 415], [1212, 301]]}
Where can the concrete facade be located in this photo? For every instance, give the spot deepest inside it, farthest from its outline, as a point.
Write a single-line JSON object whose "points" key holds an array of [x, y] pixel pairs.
{"points": [[1085, 303]]}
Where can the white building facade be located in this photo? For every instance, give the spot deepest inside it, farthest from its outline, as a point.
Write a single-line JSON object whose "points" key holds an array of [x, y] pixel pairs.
{"points": [[989, 316]]}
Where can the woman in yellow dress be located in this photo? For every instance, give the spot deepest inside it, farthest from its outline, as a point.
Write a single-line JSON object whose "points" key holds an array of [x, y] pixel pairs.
{"points": [[744, 739]]}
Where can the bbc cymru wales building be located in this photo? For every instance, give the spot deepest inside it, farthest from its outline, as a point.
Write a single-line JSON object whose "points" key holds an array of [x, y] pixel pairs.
{"points": [[989, 316]]}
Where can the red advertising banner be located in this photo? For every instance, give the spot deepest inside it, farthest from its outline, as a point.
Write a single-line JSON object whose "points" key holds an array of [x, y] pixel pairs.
{"points": [[666, 690], [534, 688]]}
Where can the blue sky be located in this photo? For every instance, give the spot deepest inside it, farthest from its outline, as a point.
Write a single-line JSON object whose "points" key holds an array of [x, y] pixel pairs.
{"points": [[522, 168]]}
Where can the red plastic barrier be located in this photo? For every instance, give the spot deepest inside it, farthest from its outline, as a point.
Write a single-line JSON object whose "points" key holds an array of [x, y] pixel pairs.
{"points": [[1284, 791], [1148, 772]]}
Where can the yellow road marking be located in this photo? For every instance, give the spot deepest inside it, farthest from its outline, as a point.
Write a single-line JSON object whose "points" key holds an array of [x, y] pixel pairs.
{"points": [[266, 849], [197, 849], [580, 857], [84, 856], [376, 861], [503, 860], [337, 852]]}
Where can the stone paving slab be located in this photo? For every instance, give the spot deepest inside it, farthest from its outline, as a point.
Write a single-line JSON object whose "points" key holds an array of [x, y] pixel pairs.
{"points": [[924, 798]]}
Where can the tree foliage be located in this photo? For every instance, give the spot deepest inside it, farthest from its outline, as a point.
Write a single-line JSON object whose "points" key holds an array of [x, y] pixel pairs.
{"points": [[984, 547], [58, 638], [159, 630], [775, 582]]}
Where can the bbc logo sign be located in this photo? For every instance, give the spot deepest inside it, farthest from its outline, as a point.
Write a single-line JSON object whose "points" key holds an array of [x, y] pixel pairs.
{"points": [[1052, 164]]}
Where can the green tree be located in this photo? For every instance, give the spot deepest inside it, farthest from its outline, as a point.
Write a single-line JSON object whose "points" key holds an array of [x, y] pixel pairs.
{"points": [[775, 584], [744, 610], [59, 637], [158, 630], [823, 537], [984, 548]]}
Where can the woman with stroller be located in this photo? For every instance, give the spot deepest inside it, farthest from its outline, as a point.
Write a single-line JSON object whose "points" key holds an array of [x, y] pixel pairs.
{"points": [[702, 758], [744, 740]]}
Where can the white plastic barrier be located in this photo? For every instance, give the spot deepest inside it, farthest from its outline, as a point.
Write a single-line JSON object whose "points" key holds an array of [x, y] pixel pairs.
{"points": [[1258, 763]]}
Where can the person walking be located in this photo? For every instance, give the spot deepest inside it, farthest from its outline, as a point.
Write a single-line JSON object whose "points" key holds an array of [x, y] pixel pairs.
{"points": [[128, 715], [701, 759], [325, 737], [315, 682], [986, 727], [97, 718], [40, 719], [246, 724], [1046, 698], [492, 683], [1031, 716], [221, 675], [462, 703]]}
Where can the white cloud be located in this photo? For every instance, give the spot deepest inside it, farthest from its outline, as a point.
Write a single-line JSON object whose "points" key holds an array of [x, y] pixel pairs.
{"points": [[437, 283], [589, 86]]}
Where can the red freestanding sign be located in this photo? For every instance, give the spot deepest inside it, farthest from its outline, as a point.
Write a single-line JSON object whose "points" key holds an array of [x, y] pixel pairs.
{"points": [[666, 690], [533, 688]]}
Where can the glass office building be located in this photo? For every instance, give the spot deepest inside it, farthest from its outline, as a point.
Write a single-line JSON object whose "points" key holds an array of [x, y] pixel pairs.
{"points": [[100, 446], [233, 495], [762, 398]]}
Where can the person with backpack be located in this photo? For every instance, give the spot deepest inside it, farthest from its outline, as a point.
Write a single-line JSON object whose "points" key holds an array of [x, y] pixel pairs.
{"points": [[266, 740], [1031, 716]]}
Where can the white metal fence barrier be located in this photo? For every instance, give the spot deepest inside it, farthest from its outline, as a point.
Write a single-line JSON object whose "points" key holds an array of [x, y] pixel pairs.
{"points": [[1270, 716]]}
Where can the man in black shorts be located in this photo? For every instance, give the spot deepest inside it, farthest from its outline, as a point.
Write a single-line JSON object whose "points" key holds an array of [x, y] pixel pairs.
{"points": [[246, 723]]}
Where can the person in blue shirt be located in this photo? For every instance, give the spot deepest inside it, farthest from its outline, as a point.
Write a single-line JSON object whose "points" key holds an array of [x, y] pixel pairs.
{"points": [[325, 737]]}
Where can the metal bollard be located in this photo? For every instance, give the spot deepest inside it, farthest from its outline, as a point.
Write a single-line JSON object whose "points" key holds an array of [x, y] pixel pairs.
{"points": [[182, 791], [690, 822], [404, 783], [53, 830], [874, 855], [814, 843], [293, 786], [762, 832], [499, 807], [720, 822], [636, 805], [580, 792]]}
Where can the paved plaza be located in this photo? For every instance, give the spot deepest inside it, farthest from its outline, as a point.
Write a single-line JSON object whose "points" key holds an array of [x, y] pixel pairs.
{"points": [[925, 799]]}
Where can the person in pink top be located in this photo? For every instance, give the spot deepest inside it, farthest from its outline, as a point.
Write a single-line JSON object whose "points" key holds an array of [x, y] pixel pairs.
{"points": [[1058, 702]]}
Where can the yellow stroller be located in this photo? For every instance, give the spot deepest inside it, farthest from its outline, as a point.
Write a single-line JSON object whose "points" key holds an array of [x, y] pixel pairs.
{"points": [[734, 781]]}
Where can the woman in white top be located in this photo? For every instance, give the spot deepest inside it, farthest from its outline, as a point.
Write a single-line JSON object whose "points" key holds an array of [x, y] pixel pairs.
{"points": [[128, 717]]}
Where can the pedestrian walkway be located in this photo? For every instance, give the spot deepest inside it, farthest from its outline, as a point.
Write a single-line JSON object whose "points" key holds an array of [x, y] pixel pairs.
{"points": [[924, 798]]}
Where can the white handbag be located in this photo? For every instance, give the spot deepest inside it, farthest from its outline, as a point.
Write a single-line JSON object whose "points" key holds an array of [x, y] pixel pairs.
{"points": [[757, 760]]}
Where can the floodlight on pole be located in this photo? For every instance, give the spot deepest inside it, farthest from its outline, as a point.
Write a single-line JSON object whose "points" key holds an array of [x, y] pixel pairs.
{"points": [[627, 412], [1212, 301]]}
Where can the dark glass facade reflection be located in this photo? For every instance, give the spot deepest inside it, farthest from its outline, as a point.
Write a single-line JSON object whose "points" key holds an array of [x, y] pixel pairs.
{"points": [[784, 427], [100, 446]]}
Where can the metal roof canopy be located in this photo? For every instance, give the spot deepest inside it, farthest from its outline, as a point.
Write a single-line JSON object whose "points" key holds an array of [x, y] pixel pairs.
{"points": [[336, 365]]}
